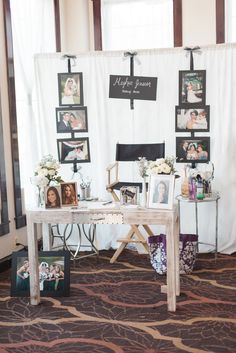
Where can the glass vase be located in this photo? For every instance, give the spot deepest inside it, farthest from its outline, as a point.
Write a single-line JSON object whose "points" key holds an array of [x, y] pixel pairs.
{"points": [[40, 197], [143, 201]]}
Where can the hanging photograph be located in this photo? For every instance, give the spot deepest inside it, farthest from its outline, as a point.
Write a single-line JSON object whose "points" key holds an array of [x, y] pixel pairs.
{"points": [[192, 149], [70, 88], [161, 191], [69, 194], [52, 196], [72, 119], [54, 274], [73, 150], [192, 87], [192, 119]]}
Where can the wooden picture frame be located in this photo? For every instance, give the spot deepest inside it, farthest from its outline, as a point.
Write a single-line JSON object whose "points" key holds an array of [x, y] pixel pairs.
{"points": [[161, 191], [192, 119], [52, 196], [71, 119], [54, 274], [70, 88], [192, 149], [72, 150], [69, 194], [192, 88]]}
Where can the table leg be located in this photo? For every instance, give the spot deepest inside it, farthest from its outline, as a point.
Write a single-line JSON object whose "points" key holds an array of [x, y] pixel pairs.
{"points": [[171, 266], [33, 262], [216, 235], [196, 219], [47, 242], [177, 275]]}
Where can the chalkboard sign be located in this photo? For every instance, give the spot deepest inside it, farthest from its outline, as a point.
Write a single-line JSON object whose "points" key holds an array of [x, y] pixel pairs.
{"points": [[133, 87]]}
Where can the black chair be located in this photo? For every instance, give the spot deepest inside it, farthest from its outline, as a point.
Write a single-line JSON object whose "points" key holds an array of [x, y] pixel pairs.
{"points": [[131, 153]]}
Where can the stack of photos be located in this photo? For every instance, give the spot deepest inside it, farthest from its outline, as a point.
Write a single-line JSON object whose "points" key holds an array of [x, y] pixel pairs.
{"points": [[192, 115], [72, 118], [129, 195]]}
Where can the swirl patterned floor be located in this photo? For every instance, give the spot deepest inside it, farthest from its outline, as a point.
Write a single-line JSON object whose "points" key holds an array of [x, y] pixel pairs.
{"points": [[118, 308]]}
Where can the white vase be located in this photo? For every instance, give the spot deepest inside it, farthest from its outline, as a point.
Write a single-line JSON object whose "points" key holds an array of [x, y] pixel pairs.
{"points": [[143, 202]]}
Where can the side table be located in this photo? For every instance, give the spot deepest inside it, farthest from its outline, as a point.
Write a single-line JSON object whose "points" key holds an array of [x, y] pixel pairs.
{"points": [[214, 197]]}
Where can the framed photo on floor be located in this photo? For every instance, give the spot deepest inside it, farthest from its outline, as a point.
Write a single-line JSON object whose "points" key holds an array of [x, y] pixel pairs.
{"points": [[161, 191], [192, 119], [72, 119], [192, 87], [70, 88], [54, 274], [192, 149], [72, 150]]}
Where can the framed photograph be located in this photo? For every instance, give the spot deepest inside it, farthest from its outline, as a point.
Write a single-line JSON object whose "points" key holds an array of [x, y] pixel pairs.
{"points": [[192, 149], [54, 274], [69, 194], [192, 119], [52, 196], [161, 191], [73, 150], [129, 195], [70, 88], [72, 119], [192, 87]]}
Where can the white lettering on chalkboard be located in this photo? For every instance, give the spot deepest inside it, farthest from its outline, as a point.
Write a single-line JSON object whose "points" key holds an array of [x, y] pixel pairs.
{"points": [[123, 83], [142, 84]]}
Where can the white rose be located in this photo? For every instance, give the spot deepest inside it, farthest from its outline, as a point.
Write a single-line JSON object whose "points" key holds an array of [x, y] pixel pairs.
{"points": [[43, 172], [52, 172], [166, 168], [160, 161]]}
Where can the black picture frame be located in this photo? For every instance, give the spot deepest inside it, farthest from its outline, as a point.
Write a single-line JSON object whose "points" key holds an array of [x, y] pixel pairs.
{"points": [[72, 150], [185, 153], [79, 122], [70, 88], [52, 283], [192, 88], [194, 119]]}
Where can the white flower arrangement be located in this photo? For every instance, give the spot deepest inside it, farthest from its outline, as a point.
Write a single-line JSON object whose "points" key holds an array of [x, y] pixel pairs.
{"points": [[46, 171], [162, 166]]}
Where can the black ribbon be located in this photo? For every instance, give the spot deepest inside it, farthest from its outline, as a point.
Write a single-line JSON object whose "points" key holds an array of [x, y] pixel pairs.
{"points": [[69, 57], [131, 55], [191, 50]]}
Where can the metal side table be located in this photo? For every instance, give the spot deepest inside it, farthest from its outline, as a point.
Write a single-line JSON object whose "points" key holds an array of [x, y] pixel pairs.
{"points": [[214, 197]]}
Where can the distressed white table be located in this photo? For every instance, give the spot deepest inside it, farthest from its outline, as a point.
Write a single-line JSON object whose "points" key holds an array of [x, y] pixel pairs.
{"points": [[96, 213]]}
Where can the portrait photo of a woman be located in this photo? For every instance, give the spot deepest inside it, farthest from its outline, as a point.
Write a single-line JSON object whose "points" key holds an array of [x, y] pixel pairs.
{"points": [[69, 194], [161, 191], [53, 197]]}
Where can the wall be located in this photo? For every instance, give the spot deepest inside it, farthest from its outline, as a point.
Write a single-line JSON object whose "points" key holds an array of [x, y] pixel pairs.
{"points": [[77, 35], [7, 242]]}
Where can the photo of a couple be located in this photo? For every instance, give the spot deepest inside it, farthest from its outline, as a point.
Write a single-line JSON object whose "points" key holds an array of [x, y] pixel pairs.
{"points": [[72, 120], [196, 119], [195, 149]]}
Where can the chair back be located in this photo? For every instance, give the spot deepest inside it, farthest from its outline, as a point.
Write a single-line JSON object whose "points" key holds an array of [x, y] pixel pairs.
{"points": [[131, 152]]}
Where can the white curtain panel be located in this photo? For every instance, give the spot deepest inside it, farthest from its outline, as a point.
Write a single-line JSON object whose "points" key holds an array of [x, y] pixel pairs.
{"points": [[112, 120]]}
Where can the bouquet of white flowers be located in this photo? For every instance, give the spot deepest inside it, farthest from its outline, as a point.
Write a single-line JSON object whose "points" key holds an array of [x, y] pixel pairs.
{"points": [[143, 164], [46, 171], [162, 166]]}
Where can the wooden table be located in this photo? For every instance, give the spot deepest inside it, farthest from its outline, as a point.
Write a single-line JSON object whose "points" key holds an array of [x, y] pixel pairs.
{"points": [[96, 213]]}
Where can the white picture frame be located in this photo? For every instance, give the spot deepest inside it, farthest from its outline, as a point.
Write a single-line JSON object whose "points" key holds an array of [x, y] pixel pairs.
{"points": [[161, 191]]}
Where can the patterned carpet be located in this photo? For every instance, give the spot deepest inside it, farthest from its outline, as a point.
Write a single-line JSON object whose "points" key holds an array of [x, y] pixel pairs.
{"points": [[119, 308]]}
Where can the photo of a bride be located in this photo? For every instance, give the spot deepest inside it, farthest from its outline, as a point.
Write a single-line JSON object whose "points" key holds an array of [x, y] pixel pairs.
{"points": [[192, 88]]}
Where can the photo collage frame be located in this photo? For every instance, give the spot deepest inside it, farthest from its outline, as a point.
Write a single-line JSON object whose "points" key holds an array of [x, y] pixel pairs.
{"points": [[192, 115], [72, 118]]}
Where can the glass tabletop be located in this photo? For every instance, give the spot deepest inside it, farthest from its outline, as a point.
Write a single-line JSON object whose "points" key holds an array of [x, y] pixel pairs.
{"points": [[214, 196]]}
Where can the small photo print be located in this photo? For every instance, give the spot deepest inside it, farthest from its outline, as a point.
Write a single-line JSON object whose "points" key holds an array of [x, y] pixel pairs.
{"points": [[193, 119], [193, 149], [69, 194], [129, 195], [72, 119], [70, 88], [52, 197], [192, 87], [72, 150]]}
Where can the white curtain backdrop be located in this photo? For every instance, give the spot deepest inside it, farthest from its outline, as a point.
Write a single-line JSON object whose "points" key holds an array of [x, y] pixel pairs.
{"points": [[111, 120]]}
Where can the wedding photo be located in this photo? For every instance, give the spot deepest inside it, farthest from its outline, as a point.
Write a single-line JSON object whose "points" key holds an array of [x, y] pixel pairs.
{"points": [[192, 87], [194, 119], [70, 88]]}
